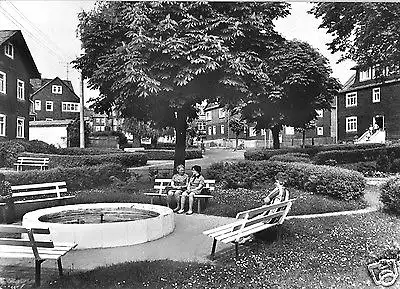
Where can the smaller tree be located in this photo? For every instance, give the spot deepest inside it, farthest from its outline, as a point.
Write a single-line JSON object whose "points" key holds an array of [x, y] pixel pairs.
{"points": [[73, 133], [237, 126]]}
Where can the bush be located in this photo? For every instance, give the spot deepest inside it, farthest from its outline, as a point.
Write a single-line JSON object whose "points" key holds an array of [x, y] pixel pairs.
{"points": [[122, 140], [87, 151], [395, 166], [292, 157], [123, 159], [383, 162], [390, 195], [76, 178], [37, 146], [170, 154], [9, 151], [333, 181], [366, 168]]}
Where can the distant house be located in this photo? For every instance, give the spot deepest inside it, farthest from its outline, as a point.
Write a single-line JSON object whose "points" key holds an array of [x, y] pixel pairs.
{"points": [[370, 99], [17, 67], [54, 99]]}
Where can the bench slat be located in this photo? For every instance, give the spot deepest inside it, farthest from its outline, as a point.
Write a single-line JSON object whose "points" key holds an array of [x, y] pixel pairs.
{"points": [[223, 227], [44, 200], [41, 192], [24, 242], [250, 231], [256, 211], [40, 185]]}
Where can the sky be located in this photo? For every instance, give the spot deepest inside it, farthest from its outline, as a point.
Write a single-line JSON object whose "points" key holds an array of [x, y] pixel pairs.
{"points": [[49, 28]]}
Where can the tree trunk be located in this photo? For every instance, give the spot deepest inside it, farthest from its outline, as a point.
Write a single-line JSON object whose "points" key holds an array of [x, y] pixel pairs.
{"points": [[180, 144], [304, 138], [237, 142], [275, 136]]}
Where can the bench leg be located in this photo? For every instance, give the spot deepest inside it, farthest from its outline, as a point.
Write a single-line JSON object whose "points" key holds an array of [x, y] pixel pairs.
{"points": [[60, 270], [214, 246], [198, 205], [151, 200], [237, 249], [279, 233], [38, 266]]}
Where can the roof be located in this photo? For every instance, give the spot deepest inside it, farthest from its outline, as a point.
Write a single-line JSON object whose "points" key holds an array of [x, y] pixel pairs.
{"points": [[349, 82], [18, 39], [211, 106], [47, 81], [50, 123]]}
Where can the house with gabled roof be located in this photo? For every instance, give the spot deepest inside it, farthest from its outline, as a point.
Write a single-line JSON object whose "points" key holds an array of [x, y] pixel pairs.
{"points": [[17, 68], [54, 99]]}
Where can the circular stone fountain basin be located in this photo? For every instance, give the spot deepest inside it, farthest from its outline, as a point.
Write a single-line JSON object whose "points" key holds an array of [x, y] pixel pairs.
{"points": [[103, 225]]}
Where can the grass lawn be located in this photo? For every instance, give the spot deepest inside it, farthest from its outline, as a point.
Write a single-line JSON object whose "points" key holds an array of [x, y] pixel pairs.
{"points": [[314, 253]]}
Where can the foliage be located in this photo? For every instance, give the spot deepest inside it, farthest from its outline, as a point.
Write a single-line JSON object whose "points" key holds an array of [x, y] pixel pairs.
{"points": [[9, 151], [155, 154], [366, 168], [364, 32], [76, 178], [292, 157], [333, 181], [395, 166], [390, 195], [73, 133], [123, 159], [122, 140], [383, 162], [86, 151]]}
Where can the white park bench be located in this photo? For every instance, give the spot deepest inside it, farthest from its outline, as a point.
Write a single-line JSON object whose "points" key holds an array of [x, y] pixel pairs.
{"points": [[22, 162], [11, 246], [160, 186]]}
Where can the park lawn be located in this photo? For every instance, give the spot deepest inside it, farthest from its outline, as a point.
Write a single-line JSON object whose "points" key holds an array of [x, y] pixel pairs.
{"points": [[314, 253]]}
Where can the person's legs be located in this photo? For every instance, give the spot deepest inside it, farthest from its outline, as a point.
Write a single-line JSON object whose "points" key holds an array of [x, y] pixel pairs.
{"points": [[183, 198], [177, 196], [169, 197], [191, 200]]}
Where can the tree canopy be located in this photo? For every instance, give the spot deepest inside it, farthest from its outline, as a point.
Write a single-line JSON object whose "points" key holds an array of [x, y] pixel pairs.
{"points": [[366, 32]]}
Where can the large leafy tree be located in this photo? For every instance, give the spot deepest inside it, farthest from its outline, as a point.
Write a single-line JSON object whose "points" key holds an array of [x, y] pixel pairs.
{"points": [[302, 84], [366, 32], [156, 60]]}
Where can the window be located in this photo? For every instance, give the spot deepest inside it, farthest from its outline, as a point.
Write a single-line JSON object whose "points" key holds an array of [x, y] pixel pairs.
{"points": [[20, 127], [289, 130], [320, 130], [2, 125], [365, 74], [376, 94], [351, 124], [221, 113], [70, 106], [208, 115], [201, 126], [263, 131], [20, 89], [252, 131], [48, 119], [320, 112], [222, 129], [214, 130], [56, 89], [209, 130], [38, 105], [9, 50], [49, 106], [3, 82], [351, 99]]}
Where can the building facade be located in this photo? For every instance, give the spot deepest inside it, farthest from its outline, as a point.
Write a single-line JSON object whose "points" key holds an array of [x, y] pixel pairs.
{"points": [[54, 99], [370, 100], [17, 67]]}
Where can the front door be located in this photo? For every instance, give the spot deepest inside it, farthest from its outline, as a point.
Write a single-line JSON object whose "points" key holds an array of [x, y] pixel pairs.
{"points": [[379, 121]]}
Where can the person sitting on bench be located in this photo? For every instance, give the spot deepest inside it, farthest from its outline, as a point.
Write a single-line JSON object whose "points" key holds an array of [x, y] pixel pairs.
{"points": [[278, 193], [196, 184], [179, 184]]}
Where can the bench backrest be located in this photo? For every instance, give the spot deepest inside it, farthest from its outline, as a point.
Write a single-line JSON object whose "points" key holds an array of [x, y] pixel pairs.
{"points": [[31, 190], [33, 160], [161, 184], [23, 242]]}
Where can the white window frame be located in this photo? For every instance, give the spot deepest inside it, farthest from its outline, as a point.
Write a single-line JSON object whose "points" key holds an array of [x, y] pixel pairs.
{"points": [[20, 89], [208, 115], [263, 131], [3, 86], [320, 130], [252, 131], [320, 113], [38, 105], [3, 124], [351, 99], [214, 129], [48, 119], [56, 89], [9, 50], [376, 94], [70, 106], [222, 129], [209, 130], [20, 128], [221, 113], [49, 103], [365, 74], [289, 130], [351, 124], [201, 126]]}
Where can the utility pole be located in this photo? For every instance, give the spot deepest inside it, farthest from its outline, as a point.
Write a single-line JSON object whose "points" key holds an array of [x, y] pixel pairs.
{"points": [[81, 117]]}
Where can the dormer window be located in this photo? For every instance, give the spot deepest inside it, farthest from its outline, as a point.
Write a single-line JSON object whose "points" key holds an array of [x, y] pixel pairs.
{"points": [[9, 50], [365, 74], [56, 89]]}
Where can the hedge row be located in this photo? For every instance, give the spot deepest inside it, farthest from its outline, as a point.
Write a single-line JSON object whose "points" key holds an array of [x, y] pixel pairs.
{"points": [[87, 151], [352, 156], [292, 157], [76, 178], [333, 181], [390, 195], [123, 159], [170, 154], [265, 154]]}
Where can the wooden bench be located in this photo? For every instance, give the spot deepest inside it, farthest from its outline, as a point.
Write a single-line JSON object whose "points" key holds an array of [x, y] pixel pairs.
{"points": [[160, 186], [248, 223], [42, 163], [28, 247]]}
